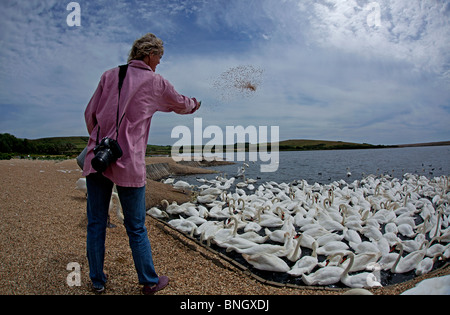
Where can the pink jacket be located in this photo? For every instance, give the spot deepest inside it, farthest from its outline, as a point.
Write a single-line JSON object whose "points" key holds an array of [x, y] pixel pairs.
{"points": [[143, 93]]}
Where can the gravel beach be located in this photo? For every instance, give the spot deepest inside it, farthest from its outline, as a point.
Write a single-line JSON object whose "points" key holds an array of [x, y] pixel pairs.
{"points": [[43, 229]]}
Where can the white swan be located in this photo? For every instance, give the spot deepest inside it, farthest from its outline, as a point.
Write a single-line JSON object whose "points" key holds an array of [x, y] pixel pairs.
{"points": [[197, 220], [352, 236], [224, 235], [183, 225], [371, 233], [330, 225], [254, 237], [406, 230], [324, 276], [433, 286], [81, 185], [409, 262], [332, 237], [206, 198], [308, 241], [218, 213], [391, 228], [238, 244], [436, 249], [362, 261], [252, 226], [208, 229], [268, 220], [426, 265], [211, 191], [113, 203], [332, 247], [157, 213], [116, 200], [189, 209], [361, 280], [305, 265], [296, 253], [173, 208], [168, 181], [410, 246], [278, 236], [229, 238], [365, 247], [316, 232], [334, 259], [267, 262], [357, 291], [262, 248], [182, 185]]}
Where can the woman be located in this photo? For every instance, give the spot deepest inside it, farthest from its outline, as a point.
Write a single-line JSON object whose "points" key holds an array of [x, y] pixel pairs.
{"points": [[143, 93]]}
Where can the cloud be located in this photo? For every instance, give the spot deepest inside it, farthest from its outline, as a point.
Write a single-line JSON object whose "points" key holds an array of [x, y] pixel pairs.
{"points": [[331, 69], [412, 31]]}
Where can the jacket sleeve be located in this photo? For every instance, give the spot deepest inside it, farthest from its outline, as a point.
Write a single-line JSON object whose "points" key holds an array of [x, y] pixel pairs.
{"points": [[91, 109], [172, 101]]}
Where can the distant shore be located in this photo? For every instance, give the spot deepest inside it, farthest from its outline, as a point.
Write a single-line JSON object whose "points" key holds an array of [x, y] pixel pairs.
{"points": [[70, 147], [426, 144]]}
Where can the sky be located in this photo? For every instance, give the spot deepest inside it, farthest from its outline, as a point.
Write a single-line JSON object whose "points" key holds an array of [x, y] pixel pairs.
{"points": [[361, 71]]}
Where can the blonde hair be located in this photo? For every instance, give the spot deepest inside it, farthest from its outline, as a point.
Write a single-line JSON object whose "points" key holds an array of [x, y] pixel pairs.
{"points": [[146, 45]]}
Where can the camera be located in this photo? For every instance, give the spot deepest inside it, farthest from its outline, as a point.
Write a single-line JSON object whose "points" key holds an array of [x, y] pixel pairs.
{"points": [[106, 152]]}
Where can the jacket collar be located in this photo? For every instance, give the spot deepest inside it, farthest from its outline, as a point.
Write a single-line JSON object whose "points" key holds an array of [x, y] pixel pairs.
{"points": [[140, 64]]}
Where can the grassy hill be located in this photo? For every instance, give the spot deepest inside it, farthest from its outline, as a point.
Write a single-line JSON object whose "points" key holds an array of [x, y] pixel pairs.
{"points": [[301, 145], [77, 143], [55, 147]]}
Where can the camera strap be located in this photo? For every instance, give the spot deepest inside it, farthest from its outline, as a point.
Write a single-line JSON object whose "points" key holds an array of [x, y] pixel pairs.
{"points": [[122, 74]]}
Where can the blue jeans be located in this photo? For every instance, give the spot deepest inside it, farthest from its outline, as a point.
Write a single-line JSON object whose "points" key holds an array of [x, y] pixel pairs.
{"points": [[133, 205]]}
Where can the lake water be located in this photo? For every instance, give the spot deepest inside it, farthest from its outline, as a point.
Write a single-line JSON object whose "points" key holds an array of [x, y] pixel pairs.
{"points": [[327, 166]]}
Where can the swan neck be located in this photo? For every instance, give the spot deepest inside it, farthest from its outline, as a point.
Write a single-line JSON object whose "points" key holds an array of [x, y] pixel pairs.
{"points": [[438, 225], [259, 214], [314, 247], [297, 246], [235, 225], [350, 265], [398, 257]]}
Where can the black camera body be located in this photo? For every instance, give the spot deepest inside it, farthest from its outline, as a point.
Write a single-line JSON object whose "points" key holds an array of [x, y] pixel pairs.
{"points": [[106, 152]]}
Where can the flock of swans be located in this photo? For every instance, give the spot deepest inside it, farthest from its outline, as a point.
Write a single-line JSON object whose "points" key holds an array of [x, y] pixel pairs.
{"points": [[322, 234]]}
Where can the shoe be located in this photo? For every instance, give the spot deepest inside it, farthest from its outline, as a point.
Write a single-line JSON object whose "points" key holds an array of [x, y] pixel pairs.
{"points": [[152, 289], [98, 289]]}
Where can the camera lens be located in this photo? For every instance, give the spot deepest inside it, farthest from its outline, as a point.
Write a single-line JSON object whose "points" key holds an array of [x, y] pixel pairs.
{"points": [[101, 160]]}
